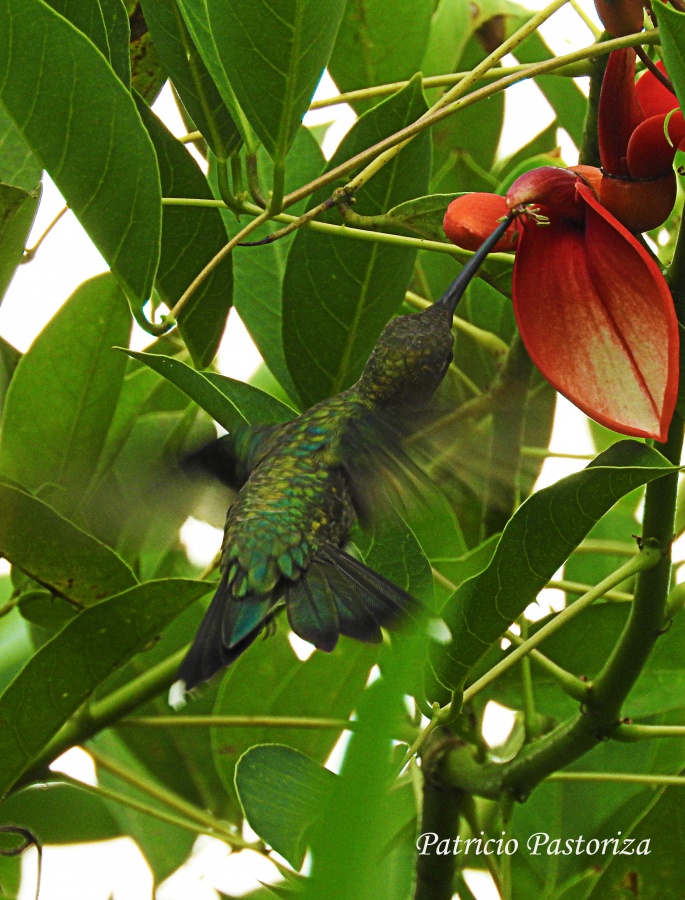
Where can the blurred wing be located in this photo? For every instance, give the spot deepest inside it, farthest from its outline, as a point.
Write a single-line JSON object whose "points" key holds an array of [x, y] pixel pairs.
{"points": [[404, 458]]}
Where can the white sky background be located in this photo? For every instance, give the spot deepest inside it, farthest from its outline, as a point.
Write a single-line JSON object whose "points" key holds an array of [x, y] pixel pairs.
{"points": [[67, 258]]}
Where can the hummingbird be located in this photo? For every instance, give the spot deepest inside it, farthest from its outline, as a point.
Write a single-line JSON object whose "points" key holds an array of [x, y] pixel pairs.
{"points": [[302, 485]]}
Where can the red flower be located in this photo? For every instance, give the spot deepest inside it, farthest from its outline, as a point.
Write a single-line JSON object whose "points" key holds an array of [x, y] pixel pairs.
{"points": [[591, 304]]}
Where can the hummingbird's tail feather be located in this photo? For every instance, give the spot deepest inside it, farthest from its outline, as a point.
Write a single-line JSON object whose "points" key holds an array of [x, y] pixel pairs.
{"points": [[227, 630], [311, 607], [365, 600]]}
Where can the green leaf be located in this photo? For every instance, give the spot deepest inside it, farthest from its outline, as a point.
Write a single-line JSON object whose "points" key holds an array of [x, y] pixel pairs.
{"points": [[672, 30], [258, 271], [191, 78], [75, 662], [52, 550], [450, 30], [105, 22], [17, 211], [191, 237], [104, 163], [272, 57], [537, 540], [282, 792], [18, 166], [423, 215], [229, 402], [367, 49], [59, 813], [338, 294], [326, 684], [63, 395], [660, 835]]}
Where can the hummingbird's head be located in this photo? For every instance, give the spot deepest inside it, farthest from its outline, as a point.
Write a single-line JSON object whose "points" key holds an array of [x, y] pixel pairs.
{"points": [[410, 358]]}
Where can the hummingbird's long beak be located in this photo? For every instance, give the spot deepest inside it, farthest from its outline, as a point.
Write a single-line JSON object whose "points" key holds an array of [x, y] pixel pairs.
{"points": [[456, 290]]}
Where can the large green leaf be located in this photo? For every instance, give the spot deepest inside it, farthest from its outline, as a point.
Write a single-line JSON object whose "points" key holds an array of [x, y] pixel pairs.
{"points": [[53, 551], [190, 77], [66, 670], [367, 49], [105, 22], [282, 791], [672, 29], [191, 237], [338, 294], [63, 395], [17, 211], [272, 57], [258, 271], [18, 166], [103, 163], [535, 543], [327, 684], [229, 402]]}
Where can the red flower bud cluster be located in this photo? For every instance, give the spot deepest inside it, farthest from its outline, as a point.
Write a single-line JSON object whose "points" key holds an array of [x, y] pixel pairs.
{"points": [[640, 129]]}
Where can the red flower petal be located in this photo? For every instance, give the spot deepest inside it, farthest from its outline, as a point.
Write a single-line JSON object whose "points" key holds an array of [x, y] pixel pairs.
{"points": [[650, 153], [598, 320], [619, 111], [472, 218], [654, 97]]}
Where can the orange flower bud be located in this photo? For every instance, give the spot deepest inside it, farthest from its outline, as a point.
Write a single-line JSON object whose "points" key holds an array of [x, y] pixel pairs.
{"points": [[472, 217]]}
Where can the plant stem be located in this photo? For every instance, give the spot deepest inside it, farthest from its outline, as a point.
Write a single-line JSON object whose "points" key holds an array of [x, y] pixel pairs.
{"points": [[145, 808], [530, 716], [30, 252], [439, 815], [569, 68], [568, 682], [96, 716], [648, 610], [237, 722], [577, 587], [620, 778], [629, 733], [646, 559], [545, 453], [342, 231]]}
